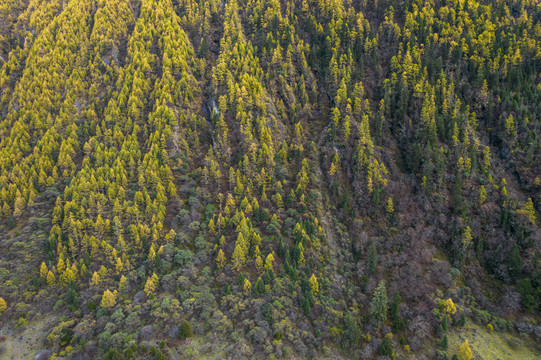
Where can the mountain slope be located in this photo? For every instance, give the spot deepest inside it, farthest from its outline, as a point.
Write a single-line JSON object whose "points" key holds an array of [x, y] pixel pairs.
{"points": [[299, 179]]}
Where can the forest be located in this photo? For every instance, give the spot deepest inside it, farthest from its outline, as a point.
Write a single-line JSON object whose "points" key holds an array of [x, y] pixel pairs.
{"points": [[270, 179]]}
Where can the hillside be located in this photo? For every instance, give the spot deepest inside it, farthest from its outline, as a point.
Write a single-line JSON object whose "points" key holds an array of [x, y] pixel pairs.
{"points": [[305, 179]]}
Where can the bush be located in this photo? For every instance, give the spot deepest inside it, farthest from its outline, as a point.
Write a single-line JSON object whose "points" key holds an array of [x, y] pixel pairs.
{"points": [[91, 306], [40, 223], [22, 322], [500, 324], [266, 312], [128, 353], [102, 311], [113, 354], [454, 272], [186, 330], [257, 335], [183, 258]]}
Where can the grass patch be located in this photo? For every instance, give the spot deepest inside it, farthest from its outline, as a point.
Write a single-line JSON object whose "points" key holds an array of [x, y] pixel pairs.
{"points": [[491, 345]]}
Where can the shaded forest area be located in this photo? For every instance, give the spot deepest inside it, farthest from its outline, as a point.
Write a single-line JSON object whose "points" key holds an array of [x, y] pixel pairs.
{"points": [[269, 179]]}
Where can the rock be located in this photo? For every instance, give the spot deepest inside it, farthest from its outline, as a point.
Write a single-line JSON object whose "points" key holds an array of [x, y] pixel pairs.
{"points": [[43, 355], [146, 333]]}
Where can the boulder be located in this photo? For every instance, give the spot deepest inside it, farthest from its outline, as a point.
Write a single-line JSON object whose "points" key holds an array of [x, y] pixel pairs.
{"points": [[43, 355]]}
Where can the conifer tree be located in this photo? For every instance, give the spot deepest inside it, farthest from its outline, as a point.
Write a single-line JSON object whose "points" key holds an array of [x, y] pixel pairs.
{"points": [[448, 307], [220, 259], [259, 286], [43, 271], [3, 305], [314, 285], [466, 239], [482, 194], [258, 261], [247, 286], [95, 281], [123, 285], [444, 344], [464, 352], [19, 205], [528, 210], [150, 285], [51, 279], [389, 207], [238, 257], [515, 261], [378, 305], [269, 262], [108, 299], [372, 258], [385, 348]]}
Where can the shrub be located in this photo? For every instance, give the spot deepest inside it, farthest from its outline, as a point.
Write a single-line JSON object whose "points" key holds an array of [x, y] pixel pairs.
{"points": [[22, 322], [113, 354], [186, 330], [266, 312], [91, 306], [454, 272], [128, 353]]}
